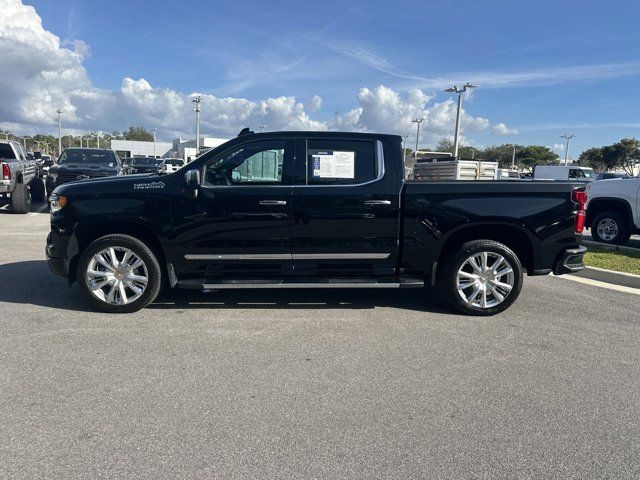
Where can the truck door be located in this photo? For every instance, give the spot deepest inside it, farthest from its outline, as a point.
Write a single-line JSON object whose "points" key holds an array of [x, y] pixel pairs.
{"points": [[345, 208], [239, 223]]}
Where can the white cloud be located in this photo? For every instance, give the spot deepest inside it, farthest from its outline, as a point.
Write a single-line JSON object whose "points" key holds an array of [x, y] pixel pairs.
{"points": [[42, 73], [502, 129], [385, 110]]}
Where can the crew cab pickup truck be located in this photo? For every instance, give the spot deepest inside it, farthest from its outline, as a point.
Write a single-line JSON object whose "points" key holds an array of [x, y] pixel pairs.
{"points": [[613, 209], [310, 210], [21, 180]]}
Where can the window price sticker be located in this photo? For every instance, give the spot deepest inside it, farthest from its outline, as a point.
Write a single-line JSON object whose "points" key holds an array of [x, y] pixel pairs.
{"points": [[334, 164]]}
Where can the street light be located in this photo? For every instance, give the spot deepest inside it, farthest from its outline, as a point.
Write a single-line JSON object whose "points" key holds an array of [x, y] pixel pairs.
{"points": [[59, 112], [566, 149], [24, 142], [417, 121], [155, 130], [98, 137], [513, 158], [459, 91], [197, 101], [6, 135], [262, 126]]}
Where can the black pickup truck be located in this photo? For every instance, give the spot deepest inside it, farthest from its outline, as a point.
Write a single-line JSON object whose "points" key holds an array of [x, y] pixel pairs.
{"points": [[310, 210]]}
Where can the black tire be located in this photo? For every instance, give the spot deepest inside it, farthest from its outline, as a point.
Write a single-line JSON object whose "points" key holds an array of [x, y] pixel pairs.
{"points": [[142, 251], [448, 278], [619, 228], [21, 199], [38, 190]]}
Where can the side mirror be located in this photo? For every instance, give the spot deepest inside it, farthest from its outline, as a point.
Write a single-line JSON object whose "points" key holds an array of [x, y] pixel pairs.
{"points": [[192, 179]]}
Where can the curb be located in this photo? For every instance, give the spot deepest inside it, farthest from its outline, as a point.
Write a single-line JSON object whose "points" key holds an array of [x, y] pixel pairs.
{"points": [[606, 246], [609, 276]]}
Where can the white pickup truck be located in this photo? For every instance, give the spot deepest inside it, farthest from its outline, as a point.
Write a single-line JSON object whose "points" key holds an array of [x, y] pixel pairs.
{"points": [[613, 209], [20, 178]]}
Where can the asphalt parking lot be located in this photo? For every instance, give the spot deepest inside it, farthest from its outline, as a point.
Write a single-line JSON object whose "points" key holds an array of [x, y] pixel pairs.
{"points": [[312, 384]]}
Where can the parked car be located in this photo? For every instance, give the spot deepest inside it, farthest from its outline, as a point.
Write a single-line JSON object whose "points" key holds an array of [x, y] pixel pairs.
{"points": [[82, 163], [565, 173], [613, 210], [170, 165], [126, 165], [145, 165], [20, 182], [311, 210], [611, 176], [508, 174], [47, 163]]}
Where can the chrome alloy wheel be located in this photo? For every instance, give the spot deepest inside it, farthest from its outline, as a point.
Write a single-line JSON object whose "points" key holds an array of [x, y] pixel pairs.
{"points": [[607, 229], [485, 279], [116, 275]]}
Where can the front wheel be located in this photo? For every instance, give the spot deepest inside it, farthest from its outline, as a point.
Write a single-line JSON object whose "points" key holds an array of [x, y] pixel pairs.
{"points": [[610, 227], [119, 274], [483, 278]]}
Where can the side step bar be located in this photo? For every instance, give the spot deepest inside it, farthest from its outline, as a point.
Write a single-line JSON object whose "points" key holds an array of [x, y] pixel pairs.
{"points": [[306, 283]]}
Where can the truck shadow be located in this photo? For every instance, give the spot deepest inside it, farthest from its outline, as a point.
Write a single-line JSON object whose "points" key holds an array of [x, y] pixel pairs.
{"points": [[35, 207], [31, 282]]}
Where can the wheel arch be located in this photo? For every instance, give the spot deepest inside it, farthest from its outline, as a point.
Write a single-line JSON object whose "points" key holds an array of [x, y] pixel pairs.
{"points": [[599, 205], [87, 233], [513, 236]]}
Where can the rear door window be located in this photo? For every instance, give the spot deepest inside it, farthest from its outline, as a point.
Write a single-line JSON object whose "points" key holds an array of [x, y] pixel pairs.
{"points": [[340, 162]]}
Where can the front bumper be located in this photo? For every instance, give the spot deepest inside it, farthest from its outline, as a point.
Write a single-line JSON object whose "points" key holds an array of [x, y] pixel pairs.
{"points": [[570, 261]]}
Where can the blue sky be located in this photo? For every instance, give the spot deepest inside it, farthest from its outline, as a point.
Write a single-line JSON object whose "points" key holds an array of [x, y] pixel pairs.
{"points": [[544, 68]]}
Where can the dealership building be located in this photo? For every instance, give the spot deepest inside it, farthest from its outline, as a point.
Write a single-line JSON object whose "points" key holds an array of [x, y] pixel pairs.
{"points": [[178, 148]]}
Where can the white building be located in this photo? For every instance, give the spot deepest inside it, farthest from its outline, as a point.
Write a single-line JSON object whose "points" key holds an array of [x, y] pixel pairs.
{"points": [[131, 148], [186, 149]]}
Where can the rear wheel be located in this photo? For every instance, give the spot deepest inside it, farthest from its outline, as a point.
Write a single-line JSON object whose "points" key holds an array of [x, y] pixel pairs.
{"points": [[483, 278], [119, 274], [610, 227], [21, 199]]}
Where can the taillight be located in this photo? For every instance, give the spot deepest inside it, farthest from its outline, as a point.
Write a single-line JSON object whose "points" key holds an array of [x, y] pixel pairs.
{"points": [[6, 172], [580, 197]]}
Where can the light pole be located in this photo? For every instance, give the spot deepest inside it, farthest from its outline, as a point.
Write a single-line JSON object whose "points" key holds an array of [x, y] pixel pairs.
{"points": [[566, 148], [459, 91], [98, 138], [262, 126], [59, 112], [513, 158], [418, 121], [197, 101], [404, 147], [24, 142], [155, 130], [6, 135]]}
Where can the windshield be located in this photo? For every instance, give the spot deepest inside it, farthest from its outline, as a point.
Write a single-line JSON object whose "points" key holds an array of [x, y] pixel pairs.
{"points": [[146, 161], [88, 156], [589, 173], [173, 162]]}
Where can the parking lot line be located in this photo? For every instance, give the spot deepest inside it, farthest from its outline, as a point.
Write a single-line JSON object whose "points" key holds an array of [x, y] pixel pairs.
{"points": [[39, 210], [597, 283]]}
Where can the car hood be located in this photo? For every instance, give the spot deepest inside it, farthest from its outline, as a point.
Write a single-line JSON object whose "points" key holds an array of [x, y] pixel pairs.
{"points": [[141, 182]]}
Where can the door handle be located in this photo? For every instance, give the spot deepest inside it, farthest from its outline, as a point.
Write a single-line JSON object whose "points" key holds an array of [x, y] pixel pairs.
{"points": [[377, 202], [272, 202]]}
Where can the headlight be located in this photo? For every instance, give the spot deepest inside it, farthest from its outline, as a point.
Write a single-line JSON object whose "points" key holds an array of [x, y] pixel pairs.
{"points": [[57, 202]]}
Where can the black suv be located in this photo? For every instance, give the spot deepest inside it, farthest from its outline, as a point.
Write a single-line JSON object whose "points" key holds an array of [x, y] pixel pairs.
{"points": [[82, 163], [145, 165]]}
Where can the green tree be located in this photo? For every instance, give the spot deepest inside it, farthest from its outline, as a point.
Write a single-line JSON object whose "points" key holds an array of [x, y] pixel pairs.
{"points": [[444, 145], [624, 154], [593, 157], [532, 155], [503, 154], [138, 133]]}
